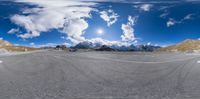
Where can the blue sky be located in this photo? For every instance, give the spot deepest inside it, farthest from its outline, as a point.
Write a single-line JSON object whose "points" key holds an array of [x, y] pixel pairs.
{"points": [[46, 22]]}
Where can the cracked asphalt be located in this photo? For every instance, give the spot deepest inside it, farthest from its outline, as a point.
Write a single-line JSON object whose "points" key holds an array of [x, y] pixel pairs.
{"points": [[99, 75]]}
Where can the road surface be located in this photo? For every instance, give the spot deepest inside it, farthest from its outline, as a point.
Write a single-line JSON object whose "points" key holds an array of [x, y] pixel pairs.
{"points": [[99, 75]]}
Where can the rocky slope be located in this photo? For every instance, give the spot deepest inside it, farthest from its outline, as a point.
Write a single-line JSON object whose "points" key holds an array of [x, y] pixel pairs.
{"points": [[7, 46], [188, 45], [5, 43]]}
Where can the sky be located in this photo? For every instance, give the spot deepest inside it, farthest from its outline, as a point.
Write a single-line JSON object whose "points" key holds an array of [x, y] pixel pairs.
{"points": [[122, 22]]}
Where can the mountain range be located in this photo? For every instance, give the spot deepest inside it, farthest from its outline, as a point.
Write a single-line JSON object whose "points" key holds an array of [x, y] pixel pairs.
{"points": [[188, 45], [100, 47]]}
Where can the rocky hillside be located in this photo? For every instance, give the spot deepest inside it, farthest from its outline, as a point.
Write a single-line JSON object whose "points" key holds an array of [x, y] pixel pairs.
{"points": [[188, 45], [5, 43], [11, 48], [19, 48]]}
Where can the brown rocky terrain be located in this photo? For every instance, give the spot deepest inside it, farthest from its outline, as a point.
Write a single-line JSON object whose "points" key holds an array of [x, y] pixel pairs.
{"points": [[188, 45], [12, 48]]}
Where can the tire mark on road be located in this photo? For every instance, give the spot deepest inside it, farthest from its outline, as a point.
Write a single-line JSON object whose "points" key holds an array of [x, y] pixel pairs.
{"points": [[8, 68], [183, 76], [98, 79], [146, 72], [127, 61], [150, 85]]}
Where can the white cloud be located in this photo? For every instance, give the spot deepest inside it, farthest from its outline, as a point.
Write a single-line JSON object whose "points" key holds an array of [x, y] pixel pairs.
{"points": [[165, 10], [63, 37], [146, 7], [67, 44], [46, 45], [12, 31], [109, 16], [32, 44], [110, 43], [172, 22], [188, 17], [149, 43], [16, 44], [166, 7], [164, 15], [75, 29], [51, 45], [128, 31], [67, 16], [141, 1]]}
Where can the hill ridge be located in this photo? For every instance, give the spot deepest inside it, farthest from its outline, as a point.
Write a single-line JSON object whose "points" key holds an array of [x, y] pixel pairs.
{"points": [[188, 45], [6, 45]]}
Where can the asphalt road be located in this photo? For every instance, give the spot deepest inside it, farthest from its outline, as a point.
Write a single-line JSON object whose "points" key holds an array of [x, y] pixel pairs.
{"points": [[99, 75]]}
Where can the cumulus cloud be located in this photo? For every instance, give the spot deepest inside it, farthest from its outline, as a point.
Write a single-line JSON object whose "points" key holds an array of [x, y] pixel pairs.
{"points": [[128, 31], [172, 22], [75, 29], [12, 31], [146, 7], [67, 16], [109, 16]]}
